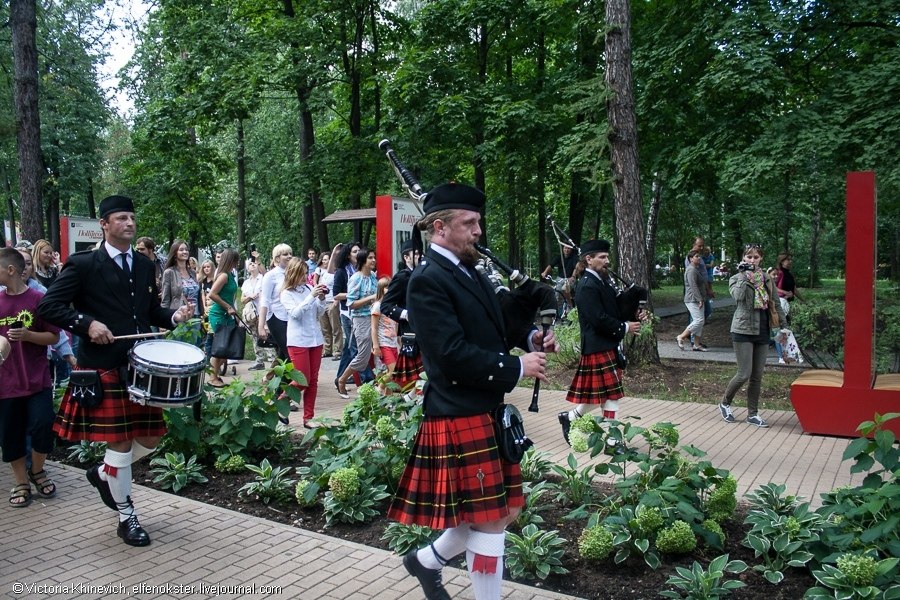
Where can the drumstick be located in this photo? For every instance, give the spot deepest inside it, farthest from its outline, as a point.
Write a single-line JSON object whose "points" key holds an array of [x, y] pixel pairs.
{"points": [[138, 336]]}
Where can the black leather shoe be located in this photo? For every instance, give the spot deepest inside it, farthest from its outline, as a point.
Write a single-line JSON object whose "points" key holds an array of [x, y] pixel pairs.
{"points": [[566, 423], [93, 476], [429, 579], [614, 449], [132, 533]]}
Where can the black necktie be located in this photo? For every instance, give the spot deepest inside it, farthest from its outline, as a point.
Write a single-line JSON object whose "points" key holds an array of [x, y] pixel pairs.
{"points": [[124, 257]]}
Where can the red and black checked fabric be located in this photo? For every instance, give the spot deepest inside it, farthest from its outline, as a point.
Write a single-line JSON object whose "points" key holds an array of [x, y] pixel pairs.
{"points": [[597, 379], [455, 475], [116, 419], [407, 370]]}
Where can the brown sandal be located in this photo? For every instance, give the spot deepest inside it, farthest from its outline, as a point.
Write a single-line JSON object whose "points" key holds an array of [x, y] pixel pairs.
{"points": [[23, 492], [44, 484]]}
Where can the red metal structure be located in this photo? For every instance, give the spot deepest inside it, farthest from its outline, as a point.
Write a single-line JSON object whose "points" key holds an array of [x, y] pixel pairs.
{"points": [[836, 402]]}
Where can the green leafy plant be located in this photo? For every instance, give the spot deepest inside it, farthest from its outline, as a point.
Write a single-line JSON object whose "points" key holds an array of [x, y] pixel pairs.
{"points": [[534, 554], [632, 535], [857, 576], [270, 484], [575, 487], [230, 464], [722, 501], [595, 543], [535, 465], [580, 432], [568, 335], [677, 538], [305, 493], [772, 496], [403, 539], [534, 504], [357, 507], [86, 452], [780, 540], [661, 436], [698, 583], [175, 473]]}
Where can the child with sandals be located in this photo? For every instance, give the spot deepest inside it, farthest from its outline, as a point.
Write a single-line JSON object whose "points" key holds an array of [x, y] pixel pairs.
{"points": [[26, 399]]}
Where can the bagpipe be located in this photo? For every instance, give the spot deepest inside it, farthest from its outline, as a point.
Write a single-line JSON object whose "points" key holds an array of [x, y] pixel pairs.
{"points": [[521, 302], [631, 298]]}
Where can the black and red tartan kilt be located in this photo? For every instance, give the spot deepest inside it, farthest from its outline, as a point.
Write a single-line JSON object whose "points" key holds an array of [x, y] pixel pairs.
{"points": [[455, 475], [597, 379], [116, 419], [407, 370]]}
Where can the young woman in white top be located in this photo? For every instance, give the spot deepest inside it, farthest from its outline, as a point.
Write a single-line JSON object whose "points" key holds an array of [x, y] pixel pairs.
{"points": [[250, 291], [272, 316], [304, 305]]}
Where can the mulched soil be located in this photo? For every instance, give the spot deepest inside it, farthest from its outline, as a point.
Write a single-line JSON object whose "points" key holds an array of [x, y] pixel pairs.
{"points": [[604, 580]]}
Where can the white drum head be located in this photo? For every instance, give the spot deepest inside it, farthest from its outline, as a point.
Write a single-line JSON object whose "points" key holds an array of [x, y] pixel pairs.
{"points": [[169, 353]]}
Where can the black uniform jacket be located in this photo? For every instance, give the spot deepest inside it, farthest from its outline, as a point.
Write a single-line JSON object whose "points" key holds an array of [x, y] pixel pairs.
{"points": [[93, 287], [394, 301], [460, 332], [602, 328]]}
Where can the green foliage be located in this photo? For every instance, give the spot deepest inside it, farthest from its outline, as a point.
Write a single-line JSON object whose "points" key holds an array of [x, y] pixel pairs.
{"points": [[535, 465], [358, 507], [581, 430], [647, 520], [305, 493], [781, 541], [857, 576], [355, 443], [820, 324], [535, 554], [575, 487], [631, 535], [661, 436], [568, 335], [865, 517], [677, 538], [173, 472], [344, 483], [86, 452], [271, 484], [403, 539], [722, 501], [230, 464], [698, 583], [534, 503], [771, 496], [714, 527], [595, 543]]}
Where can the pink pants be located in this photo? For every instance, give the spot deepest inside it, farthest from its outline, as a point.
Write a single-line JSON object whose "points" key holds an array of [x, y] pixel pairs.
{"points": [[307, 361]]}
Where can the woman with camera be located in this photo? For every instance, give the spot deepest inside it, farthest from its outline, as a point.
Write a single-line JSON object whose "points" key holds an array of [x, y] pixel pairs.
{"points": [[757, 312]]}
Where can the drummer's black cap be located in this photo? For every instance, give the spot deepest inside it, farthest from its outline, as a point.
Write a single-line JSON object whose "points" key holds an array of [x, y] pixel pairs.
{"points": [[594, 246], [113, 204], [454, 195], [407, 247]]}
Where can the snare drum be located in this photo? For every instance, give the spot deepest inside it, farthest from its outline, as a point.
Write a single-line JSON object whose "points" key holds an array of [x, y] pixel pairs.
{"points": [[165, 373], [561, 284]]}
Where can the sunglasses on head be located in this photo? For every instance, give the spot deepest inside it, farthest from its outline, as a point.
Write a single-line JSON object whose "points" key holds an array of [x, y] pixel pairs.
{"points": [[752, 246]]}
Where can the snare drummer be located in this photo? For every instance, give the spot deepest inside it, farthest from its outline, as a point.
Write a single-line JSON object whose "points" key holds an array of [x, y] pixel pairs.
{"points": [[101, 294]]}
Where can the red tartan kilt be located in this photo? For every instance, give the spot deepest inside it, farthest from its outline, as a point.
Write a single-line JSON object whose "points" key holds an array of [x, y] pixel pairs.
{"points": [[441, 487], [597, 379], [116, 419], [407, 370]]}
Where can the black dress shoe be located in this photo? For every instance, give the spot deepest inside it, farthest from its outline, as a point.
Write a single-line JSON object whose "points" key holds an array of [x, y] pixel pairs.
{"points": [[614, 449], [132, 533], [566, 423], [429, 579], [93, 476]]}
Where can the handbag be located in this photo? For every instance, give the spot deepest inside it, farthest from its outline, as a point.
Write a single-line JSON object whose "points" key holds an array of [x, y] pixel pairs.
{"points": [[85, 388], [228, 341], [510, 433], [249, 313]]}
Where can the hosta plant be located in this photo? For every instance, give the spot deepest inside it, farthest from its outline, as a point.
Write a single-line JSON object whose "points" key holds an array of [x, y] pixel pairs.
{"points": [[173, 472], [575, 487], [780, 541], [535, 465], [349, 501], [86, 452], [533, 504], [856, 576], [271, 484], [403, 539], [534, 554], [772, 496], [698, 583]]}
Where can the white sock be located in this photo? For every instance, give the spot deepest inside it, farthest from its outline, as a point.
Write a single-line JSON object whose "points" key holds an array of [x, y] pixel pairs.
{"points": [[139, 451], [610, 409], [581, 410], [451, 543], [484, 555], [117, 471]]}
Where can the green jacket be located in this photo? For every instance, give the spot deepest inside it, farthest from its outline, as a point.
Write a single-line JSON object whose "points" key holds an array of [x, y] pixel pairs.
{"points": [[746, 319]]}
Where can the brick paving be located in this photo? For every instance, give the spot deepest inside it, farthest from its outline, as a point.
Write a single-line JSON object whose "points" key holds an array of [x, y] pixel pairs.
{"points": [[70, 540]]}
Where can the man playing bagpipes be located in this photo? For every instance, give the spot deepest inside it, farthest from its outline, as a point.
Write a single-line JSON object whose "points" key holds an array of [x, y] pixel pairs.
{"points": [[455, 479], [598, 379]]}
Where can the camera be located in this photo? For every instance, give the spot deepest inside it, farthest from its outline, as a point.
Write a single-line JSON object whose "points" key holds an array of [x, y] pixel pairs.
{"points": [[252, 247], [745, 267]]}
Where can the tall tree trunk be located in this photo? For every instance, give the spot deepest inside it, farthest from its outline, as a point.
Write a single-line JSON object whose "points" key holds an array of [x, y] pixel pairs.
{"points": [[626, 180], [652, 224], [478, 125], [91, 203], [23, 22], [241, 188], [813, 280], [10, 205]]}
